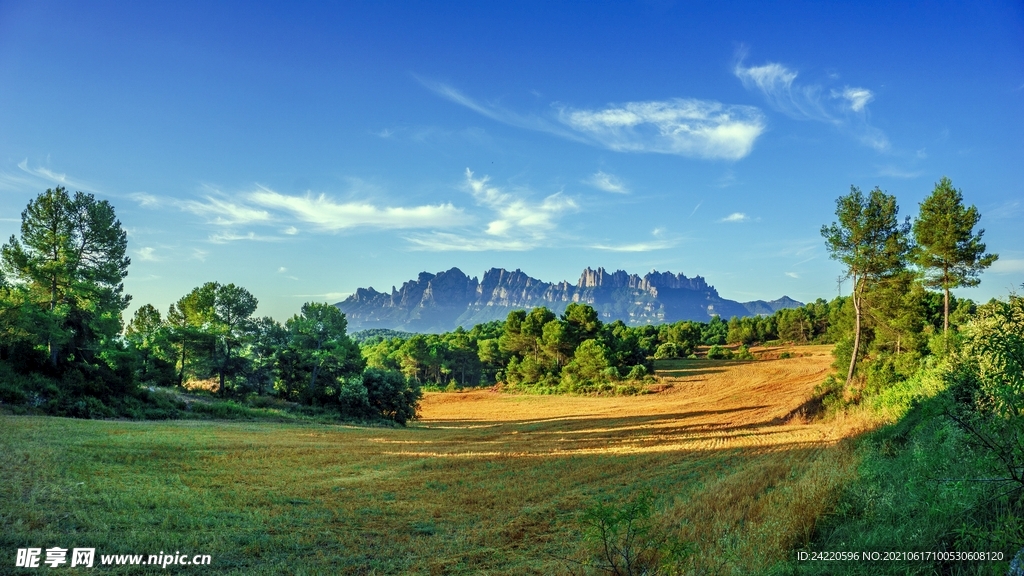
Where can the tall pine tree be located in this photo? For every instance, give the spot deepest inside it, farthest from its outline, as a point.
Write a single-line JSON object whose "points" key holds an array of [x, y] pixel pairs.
{"points": [[950, 253]]}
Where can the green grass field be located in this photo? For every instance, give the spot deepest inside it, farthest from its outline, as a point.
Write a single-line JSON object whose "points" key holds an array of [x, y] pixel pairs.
{"points": [[484, 483]]}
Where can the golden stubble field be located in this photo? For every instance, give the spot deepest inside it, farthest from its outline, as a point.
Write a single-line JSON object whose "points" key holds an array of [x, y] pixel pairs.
{"points": [[483, 483]]}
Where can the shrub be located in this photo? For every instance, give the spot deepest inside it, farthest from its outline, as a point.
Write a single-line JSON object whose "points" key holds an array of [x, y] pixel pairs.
{"points": [[666, 351], [716, 352]]}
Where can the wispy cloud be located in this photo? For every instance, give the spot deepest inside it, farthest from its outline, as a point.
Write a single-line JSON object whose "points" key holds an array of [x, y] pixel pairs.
{"points": [[147, 253], [29, 179], [225, 212], [1008, 266], [607, 182], [58, 178], [736, 217], [328, 214], [685, 127], [146, 200], [792, 275], [844, 108], [517, 222], [449, 242], [496, 112], [638, 246], [695, 208], [516, 215], [230, 236], [857, 97]]}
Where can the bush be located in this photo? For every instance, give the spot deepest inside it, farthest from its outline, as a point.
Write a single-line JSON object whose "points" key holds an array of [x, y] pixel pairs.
{"points": [[624, 539], [716, 352], [666, 351]]}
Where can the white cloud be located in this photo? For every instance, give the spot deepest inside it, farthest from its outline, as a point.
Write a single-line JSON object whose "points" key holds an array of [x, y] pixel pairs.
{"points": [[517, 224], [638, 246], [282, 270], [1008, 266], [328, 214], [291, 230], [792, 274], [607, 182], [518, 216], [780, 88], [147, 253], [229, 236], [225, 212], [736, 217], [686, 127], [448, 242], [858, 97], [35, 180], [146, 200], [775, 81], [60, 179]]}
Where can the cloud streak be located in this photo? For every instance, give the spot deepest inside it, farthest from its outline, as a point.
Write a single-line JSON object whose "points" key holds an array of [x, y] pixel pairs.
{"points": [[687, 127], [736, 217], [516, 224], [845, 109], [607, 182], [327, 214]]}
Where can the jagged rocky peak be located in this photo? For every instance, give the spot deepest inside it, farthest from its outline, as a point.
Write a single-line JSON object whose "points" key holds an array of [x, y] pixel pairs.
{"points": [[653, 280], [442, 301], [449, 287]]}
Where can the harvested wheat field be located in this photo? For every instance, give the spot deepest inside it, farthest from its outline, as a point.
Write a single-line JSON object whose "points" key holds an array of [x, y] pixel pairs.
{"points": [[484, 483]]}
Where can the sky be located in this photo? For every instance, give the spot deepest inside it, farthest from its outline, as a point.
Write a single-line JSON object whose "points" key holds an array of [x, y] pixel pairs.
{"points": [[303, 150]]}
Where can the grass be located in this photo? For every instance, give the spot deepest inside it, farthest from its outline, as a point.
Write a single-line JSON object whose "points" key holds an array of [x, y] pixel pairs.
{"points": [[484, 483]]}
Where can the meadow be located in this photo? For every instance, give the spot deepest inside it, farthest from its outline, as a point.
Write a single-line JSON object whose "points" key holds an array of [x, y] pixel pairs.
{"points": [[483, 483]]}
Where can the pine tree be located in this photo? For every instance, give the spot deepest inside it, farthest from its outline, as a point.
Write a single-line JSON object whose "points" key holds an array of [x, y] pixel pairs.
{"points": [[872, 243], [950, 253]]}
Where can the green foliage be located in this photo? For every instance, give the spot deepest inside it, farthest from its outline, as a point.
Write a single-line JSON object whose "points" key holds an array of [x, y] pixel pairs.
{"points": [[950, 253], [624, 539], [714, 332], [873, 245], [986, 381], [717, 352], [391, 395]]}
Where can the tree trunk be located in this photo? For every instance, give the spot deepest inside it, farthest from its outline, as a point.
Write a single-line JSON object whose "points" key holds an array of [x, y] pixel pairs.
{"points": [[181, 373], [51, 346], [945, 312], [856, 333]]}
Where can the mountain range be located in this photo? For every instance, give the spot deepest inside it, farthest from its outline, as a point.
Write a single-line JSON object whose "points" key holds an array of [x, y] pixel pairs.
{"points": [[443, 301]]}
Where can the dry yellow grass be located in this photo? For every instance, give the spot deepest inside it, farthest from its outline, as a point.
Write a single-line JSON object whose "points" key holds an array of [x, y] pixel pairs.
{"points": [[483, 483]]}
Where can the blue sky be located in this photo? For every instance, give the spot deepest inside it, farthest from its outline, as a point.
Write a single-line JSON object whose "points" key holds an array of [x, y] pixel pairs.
{"points": [[305, 150]]}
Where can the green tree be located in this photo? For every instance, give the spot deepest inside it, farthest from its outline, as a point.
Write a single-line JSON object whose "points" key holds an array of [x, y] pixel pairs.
{"points": [[268, 336], [323, 348], [950, 253], [146, 334], [233, 307], [391, 395], [873, 245], [188, 322], [71, 261]]}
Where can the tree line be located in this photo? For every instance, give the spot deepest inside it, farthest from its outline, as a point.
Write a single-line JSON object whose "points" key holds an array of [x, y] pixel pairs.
{"points": [[64, 348]]}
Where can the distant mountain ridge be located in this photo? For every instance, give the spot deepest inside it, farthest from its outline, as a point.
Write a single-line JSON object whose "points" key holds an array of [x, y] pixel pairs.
{"points": [[443, 301]]}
